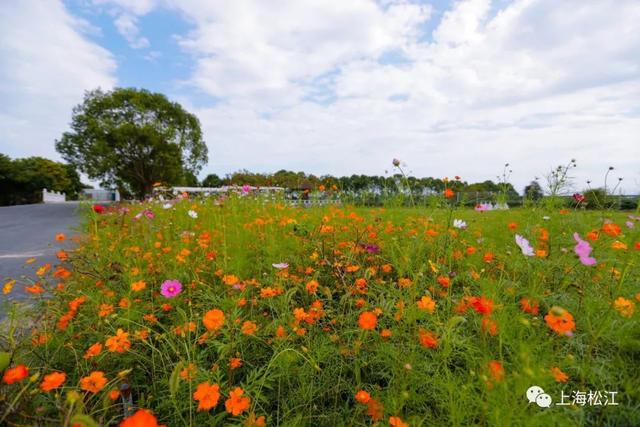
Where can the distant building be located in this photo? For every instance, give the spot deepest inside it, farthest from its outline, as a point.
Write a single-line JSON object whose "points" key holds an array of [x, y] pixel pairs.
{"points": [[100, 195]]}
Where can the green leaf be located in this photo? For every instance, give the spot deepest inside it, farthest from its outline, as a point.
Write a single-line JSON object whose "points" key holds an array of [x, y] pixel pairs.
{"points": [[5, 358], [174, 380]]}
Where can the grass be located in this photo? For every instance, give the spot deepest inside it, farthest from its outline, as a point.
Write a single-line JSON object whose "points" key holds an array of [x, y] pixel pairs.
{"points": [[468, 360]]}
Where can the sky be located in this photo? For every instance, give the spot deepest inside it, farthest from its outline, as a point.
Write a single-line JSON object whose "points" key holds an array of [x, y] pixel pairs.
{"points": [[344, 86]]}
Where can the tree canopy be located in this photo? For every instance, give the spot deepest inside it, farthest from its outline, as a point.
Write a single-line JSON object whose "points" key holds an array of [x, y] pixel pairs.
{"points": [[131, 138], [22, 180]]}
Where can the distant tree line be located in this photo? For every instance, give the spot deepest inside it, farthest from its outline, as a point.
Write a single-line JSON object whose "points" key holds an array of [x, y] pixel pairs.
{"points": [[22, 180], [390, 183]]}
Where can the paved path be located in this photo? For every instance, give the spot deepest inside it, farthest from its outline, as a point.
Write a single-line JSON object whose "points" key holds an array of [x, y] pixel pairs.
{"points": [[28, 231]]}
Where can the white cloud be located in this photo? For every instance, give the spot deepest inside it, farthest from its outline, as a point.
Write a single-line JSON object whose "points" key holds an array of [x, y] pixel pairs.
{"points": [[535, 84], [46, 63], [342, 87], [127, 26]]}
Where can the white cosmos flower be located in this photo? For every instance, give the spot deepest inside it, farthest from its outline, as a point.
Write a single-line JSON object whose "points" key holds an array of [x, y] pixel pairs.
{"points": [[193, 214], [458, 223], [525, 246], [167, 206]]}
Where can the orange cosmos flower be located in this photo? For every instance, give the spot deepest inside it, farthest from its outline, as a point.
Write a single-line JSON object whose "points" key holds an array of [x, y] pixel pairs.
{"points": [[449, 193], [230, 279], [207, 396], [618, 245], [75, 304], [35, 289], [93, 351], [15, 374], [363, 397], [428, 339], [489, 326], [397, 422], [114, 394], [443, 281], [560, 320], [105, 310], [94, 382], [405, 282], [236, 404], [43, 270], [249, 327], [119, 342], [496, 370], [189, 372], [488, 257], [312, 286], [62, 255], [60, 237], [385, 333], [142, 418], [482, 305], [52, 381], [592, 235], [559, 376], [280, 332], [138, 285], [235, 363], [513, 226], [6, 289], [427, 304], [375, 409], [624, 306], [611, 229], [213, 319], [529, 306], [367, 320], [253, 421]]}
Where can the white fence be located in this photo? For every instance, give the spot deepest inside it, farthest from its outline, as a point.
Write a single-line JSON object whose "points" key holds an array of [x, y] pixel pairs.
{"points": [[53, 196]]}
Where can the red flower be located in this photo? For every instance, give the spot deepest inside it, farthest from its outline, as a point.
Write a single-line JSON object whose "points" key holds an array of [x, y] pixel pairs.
{"points": [[15, 374], [367, 320], [99, 209], [142, 418], [482, 305]]}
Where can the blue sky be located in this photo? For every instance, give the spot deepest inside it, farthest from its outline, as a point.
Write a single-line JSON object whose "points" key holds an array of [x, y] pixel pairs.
{"points": [[344, 86]]}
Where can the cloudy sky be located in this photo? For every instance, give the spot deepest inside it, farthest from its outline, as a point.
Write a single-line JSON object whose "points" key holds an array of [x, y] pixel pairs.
{"points": [[344, 86]]}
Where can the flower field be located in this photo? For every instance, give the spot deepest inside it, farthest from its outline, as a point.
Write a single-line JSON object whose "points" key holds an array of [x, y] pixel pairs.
{"points": [[241, 311]]}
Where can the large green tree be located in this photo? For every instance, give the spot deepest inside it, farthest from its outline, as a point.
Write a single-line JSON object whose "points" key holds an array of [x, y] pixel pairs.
{"points": [[131, 138]]}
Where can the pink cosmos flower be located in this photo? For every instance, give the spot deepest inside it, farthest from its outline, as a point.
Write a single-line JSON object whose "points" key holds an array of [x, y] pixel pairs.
{"points": [[170, 288], [245, 189], [525, 247], [583, 249], [483, 207], [280, 265]]}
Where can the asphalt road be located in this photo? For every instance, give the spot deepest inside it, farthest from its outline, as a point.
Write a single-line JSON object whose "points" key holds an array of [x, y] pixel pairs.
{"points": [[28, 231]]}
